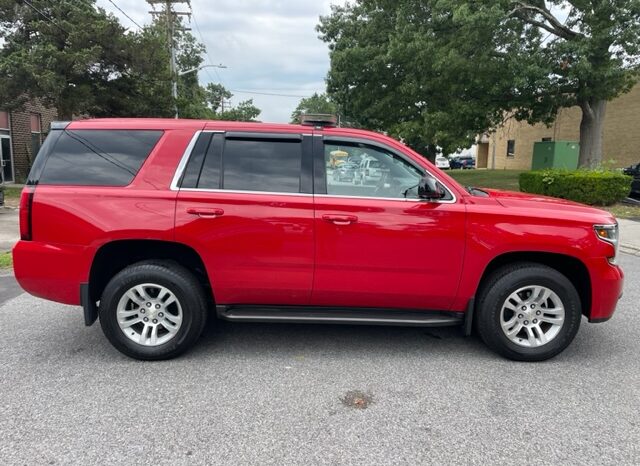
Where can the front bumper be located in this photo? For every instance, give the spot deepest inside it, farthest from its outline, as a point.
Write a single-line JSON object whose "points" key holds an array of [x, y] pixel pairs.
{"points": [[607, 282]]}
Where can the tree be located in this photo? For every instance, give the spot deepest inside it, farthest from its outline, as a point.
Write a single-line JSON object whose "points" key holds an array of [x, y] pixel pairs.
{"points": [[442, 71], [64, 53], [317, 103], [244, 111], [592, 55], [216, 96], [81, 61]]}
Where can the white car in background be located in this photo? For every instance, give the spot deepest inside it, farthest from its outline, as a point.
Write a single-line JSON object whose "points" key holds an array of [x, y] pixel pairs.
{"points": [[442, 163]]}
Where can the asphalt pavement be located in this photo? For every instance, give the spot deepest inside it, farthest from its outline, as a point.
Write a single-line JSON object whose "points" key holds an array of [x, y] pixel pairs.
{"points": [[284, 394]]}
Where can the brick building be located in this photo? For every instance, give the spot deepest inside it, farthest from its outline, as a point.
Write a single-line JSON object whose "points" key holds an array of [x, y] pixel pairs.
{"points": [[21, 133], [513, 141]]}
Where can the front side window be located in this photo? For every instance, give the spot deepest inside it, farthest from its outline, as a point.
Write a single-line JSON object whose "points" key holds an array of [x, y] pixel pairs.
{"points": [[268, 165], [367, 171]]}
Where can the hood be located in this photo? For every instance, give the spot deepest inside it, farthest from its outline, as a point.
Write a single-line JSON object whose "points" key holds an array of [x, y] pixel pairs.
{"points": [[562, 207]]}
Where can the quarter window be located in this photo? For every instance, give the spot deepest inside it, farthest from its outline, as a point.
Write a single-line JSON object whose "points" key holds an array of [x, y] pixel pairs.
{"points": [[98, 157], [269, 165], [366, 171]]}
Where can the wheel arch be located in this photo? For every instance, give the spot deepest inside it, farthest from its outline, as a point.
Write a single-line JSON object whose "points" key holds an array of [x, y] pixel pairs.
{"points": [[571, 267], [114, 256]]}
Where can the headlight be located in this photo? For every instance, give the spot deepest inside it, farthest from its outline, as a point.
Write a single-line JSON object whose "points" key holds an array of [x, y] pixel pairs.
{"points": [[609, 233]]}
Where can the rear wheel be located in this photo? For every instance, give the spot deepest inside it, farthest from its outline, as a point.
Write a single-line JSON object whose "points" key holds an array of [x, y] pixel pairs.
{"points": [[528, 312], [153, 310]]}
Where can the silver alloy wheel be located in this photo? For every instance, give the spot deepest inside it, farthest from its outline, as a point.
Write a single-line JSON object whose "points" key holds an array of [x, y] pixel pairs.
{"points": [[532, 316], [149, 314]]}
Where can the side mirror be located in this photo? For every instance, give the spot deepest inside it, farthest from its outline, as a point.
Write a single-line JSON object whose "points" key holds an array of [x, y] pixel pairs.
{"points": [[430, 189]]}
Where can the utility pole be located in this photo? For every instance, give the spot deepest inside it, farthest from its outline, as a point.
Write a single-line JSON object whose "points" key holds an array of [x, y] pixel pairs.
{"points": [[171, 18]]}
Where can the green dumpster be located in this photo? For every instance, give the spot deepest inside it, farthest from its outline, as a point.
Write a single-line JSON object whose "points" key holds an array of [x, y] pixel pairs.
{"points": [[555, 154]]}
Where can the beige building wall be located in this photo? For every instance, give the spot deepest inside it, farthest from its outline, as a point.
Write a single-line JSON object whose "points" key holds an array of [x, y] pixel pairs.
{"points": [[621, 135]]}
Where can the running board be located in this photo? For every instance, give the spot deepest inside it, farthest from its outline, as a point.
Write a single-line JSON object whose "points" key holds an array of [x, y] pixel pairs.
{"points": [[351, 316]]}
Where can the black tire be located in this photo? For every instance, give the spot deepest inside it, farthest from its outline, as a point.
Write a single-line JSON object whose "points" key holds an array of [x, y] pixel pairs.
{"points": [[505, 281], [181, 283]]}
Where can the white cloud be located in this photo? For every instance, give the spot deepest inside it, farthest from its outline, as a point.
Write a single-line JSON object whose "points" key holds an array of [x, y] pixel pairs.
{"points": [[269, 46]]}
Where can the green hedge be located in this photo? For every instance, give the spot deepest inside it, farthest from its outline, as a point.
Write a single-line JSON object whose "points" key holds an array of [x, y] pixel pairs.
{"points": [[593, 187]]}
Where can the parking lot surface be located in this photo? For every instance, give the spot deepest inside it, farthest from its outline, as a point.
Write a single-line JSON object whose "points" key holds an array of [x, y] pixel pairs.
{"points": [[283, 394]]}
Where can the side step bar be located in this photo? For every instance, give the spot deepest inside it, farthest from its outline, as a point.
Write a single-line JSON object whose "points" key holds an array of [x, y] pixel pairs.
{"points": [[351, 316]]}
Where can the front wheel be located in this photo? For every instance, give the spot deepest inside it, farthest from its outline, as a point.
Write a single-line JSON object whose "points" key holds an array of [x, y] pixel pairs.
{"points": [[153, 310], [528, 312]]}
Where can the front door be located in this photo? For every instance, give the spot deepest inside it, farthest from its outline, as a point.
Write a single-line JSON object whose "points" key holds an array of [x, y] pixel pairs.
{"points": [[377, 244], [248, 211], [6, 161]]}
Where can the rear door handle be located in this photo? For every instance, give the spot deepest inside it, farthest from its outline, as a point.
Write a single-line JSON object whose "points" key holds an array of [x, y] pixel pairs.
{"points": [[340, 219], [205, 213]]}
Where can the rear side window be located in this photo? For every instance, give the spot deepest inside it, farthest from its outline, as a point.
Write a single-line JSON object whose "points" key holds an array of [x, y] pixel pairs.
{"points": [[98, 157]]}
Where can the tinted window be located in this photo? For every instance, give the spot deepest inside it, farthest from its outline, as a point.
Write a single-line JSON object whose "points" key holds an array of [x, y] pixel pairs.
{"points": [[98, 157], [262, 165], [210, 174], [192, 171]]}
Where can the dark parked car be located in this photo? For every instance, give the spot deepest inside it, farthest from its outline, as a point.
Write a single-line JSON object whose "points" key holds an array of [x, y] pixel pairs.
{"points": [[634, 170], [463, 161]]}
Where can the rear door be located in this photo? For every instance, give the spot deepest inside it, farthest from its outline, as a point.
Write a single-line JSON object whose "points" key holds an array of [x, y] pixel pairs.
{"points": [[377, 244], [245, 205]]}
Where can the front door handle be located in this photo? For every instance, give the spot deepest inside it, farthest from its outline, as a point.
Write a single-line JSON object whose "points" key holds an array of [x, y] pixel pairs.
{"points": [[340, 219], [205, 213]]}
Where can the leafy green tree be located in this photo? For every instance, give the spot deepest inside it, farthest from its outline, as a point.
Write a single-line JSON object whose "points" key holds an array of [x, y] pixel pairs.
{"points": [[145, 89], [317, 103], [244, 111], [192, 101], [64, 53], [216, 96], [441, 71], [78, 59], [590, 54]]}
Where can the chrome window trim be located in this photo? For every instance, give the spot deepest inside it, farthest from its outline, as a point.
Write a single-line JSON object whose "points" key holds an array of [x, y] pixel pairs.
{"points": [[238, 191], [400, 199]]}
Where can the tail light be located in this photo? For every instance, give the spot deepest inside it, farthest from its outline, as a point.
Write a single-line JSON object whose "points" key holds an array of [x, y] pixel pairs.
{"points": [[366, 172], [26, 204]]}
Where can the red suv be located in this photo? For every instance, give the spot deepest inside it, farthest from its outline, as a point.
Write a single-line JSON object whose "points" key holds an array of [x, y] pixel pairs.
{"points": [[152, 224]]}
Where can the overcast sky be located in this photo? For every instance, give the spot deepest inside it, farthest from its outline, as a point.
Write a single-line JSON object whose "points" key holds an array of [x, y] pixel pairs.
{"points": [[269, 46]]}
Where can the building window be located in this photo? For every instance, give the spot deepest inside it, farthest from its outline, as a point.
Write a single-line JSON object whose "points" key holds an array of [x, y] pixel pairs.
{"points": [[511, 148], [36, 134], [4, 121], [547, 139]]}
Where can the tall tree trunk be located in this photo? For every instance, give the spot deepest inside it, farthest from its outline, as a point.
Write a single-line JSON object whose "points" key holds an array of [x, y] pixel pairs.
{"points": [[591, 127]]}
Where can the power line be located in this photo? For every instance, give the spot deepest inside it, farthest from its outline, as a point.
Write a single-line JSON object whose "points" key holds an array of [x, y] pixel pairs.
{"points": [[270, 93], [124, 13], [206, 49], [47, 17]]}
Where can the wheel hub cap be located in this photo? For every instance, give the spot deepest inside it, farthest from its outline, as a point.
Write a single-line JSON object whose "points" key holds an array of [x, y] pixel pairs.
{"points": [[149, 314], [532, 316]]}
